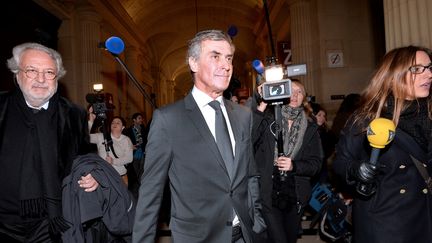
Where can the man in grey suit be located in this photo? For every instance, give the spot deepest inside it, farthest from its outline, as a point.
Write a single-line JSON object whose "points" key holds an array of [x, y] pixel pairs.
{"points": [[211, 200]]}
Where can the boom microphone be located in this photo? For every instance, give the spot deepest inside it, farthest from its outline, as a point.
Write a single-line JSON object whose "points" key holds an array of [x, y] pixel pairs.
{"points": [[258, 66], [114, 45]]}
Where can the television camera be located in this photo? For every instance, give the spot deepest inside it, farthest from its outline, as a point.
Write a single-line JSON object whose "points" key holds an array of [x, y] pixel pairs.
{"points": [[276, 88], [102, 105]]}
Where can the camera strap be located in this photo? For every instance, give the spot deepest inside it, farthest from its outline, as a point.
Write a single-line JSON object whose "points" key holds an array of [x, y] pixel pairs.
{"points": [[112, 149]]}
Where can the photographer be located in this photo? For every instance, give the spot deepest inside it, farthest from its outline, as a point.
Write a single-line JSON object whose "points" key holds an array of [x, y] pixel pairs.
{"points": [[114, 147], [284, 198]]}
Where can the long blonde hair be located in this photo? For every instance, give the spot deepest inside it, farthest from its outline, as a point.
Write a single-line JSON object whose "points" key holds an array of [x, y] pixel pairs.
{"points": [[391, 79]]}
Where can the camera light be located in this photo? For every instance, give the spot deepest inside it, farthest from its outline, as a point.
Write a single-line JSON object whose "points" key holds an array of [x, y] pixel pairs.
{"points": [[97, 87], [273, 73]]}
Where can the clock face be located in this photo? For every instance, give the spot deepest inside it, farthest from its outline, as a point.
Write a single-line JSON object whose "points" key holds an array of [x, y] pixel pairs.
{"points": [[335, 59]]}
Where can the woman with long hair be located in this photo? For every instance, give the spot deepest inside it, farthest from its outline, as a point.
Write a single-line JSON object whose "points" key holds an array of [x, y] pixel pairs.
{"points": [[397, 205]]}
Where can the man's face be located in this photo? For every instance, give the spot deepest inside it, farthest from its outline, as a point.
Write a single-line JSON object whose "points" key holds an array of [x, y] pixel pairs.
{"points": [[214, 68], [138, 120], [38, 90]]}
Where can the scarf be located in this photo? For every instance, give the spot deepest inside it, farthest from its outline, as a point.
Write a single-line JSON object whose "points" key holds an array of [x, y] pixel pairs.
{"points": [[40, 189], [413, 120], [293, 137]]}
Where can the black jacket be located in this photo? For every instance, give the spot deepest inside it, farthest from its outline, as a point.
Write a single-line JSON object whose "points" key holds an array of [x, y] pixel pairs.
{"points": [[401, 209], [110, 202], [72, 129], [307, 162]]}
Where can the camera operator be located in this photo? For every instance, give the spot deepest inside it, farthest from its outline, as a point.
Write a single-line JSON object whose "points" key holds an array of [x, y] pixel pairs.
{"points": [[284, 198], [114, 147]]}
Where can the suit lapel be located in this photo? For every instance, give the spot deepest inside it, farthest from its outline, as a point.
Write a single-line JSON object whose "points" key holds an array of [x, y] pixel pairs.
{"points": [[199, 122]]}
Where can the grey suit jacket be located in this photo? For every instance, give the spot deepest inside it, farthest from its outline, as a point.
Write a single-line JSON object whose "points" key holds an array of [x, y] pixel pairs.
{"points": [[182, 149]]}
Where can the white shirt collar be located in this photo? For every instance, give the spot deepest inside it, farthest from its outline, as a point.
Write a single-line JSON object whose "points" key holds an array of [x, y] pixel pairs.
{"points": [[202, 99], [45, 106]]}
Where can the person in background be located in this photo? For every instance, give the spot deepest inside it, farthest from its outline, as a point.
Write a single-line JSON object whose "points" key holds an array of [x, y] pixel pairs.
{"points": [[137, 133], [114, 147], [397, 205], [328, 140], [349, 104], [235, 99], [214, 191], [41, 133], [285, 177]]}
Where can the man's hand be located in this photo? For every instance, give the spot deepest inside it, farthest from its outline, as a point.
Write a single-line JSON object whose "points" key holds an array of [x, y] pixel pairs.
{"points": [[88, 183]]}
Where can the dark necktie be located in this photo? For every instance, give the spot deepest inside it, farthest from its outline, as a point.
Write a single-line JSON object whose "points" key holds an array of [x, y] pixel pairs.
{"points": [[223, 140]]}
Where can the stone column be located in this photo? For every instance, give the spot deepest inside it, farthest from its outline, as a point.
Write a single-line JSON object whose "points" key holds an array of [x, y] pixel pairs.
{"points": [[66, 39], [301, 41], [407, 22], [89, 56]]}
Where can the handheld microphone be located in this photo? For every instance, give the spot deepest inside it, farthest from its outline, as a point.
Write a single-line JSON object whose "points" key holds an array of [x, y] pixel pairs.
{"points": [[380, 132], [114, 45]]}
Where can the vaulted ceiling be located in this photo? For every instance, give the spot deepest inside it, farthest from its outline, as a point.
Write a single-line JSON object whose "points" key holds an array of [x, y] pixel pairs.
{"points": [[165, 26], [160, 29]]}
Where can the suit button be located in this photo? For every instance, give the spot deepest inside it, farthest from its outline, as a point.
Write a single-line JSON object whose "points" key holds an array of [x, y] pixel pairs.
{"points": [[425, 191], [402, 191], [231, 193], [402, 167], [425, 165]]}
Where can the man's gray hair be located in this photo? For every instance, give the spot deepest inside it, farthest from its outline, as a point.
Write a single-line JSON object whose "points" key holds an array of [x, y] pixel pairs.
{"points": [[14, 62], [194, 50]]}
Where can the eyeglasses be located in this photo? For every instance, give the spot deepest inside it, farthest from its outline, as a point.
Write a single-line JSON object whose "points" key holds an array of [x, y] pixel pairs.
{"points": [[418, 69], [33, 73]]}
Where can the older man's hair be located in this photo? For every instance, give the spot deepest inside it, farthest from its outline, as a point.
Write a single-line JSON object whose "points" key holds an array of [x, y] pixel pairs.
{"points": [[14, 62], [194, 50]]}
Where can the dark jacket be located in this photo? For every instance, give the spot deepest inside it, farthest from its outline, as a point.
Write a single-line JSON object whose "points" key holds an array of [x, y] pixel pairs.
{"points": [[203, 195], [72, 129], [144, 132], [307, 162], [110, 202], [400, 210]]}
